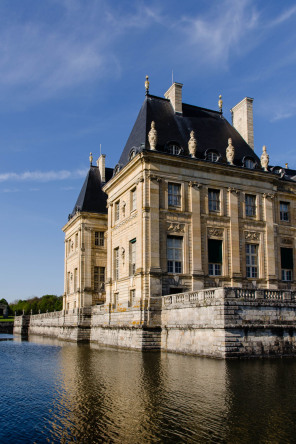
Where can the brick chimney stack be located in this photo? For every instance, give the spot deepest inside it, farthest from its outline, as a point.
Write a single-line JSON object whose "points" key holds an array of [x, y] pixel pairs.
{"points": [[242, 119], [174, 94]]}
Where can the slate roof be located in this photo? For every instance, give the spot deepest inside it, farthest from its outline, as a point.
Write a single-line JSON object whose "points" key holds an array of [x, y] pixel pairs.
{"points": [[92, 198], [211, 130]]}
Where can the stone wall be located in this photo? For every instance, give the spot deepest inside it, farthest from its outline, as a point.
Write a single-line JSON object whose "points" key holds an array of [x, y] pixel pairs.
{"points": [[6, 327], [218, 322], [229, 323]]}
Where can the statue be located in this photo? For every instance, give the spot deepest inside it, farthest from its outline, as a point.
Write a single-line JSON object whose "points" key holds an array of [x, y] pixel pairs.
{"points": [[152, 136], [192, 143], [230, 152], [264, 159]]}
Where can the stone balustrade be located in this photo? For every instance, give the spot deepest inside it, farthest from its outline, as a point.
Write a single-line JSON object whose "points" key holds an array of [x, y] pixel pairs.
{"points": [[243, 294]]}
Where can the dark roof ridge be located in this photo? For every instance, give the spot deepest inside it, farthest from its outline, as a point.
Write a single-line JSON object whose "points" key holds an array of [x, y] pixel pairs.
{"points": [[158, 97], [202, 108]]}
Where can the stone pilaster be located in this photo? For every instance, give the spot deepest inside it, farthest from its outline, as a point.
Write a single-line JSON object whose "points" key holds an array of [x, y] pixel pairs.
{"points": [[109, 255], [155, 269], [197, 271], [269, 240], [235, 265]]}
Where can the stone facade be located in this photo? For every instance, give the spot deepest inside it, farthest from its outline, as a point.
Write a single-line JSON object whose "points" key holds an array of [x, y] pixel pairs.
{"points": [[188, 245]]}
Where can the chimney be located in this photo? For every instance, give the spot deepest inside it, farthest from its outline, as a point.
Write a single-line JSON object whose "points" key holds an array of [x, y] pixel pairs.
{"points": [[101, 166], [174, 94], [242, 120]]}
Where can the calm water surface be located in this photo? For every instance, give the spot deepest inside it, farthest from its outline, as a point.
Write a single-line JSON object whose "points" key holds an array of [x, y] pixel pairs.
{"points": [[59, 392]]}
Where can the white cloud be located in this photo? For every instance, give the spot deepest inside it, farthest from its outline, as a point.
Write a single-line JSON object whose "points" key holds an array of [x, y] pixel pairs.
{"points": [[283, 17], [220, 32], [42, 176]]}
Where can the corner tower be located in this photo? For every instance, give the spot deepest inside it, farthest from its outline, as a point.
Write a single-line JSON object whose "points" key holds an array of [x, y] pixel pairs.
{"points": [[85, 243]]}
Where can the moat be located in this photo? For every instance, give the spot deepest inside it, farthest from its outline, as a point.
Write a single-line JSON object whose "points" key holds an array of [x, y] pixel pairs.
{"points": [[53, 391]]}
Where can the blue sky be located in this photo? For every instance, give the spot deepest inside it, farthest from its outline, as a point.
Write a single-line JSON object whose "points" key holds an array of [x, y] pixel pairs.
{"points": [[72, 77]]}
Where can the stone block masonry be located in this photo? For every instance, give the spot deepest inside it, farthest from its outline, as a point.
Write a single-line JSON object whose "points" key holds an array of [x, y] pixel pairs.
{"points": [[218, 323]]}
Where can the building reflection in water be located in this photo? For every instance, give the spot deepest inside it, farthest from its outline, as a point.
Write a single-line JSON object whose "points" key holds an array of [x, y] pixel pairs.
{"points": [[107, 395]]}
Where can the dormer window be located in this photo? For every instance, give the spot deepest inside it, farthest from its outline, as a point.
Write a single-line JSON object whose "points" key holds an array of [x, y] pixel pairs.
{"points": [[277, 170], [173, 148], [132, 153], [248, 162], [212, 156], [116, 169]]}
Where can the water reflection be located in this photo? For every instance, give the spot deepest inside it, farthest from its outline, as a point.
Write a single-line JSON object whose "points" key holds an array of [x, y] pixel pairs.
{"points": [[93, 395]]}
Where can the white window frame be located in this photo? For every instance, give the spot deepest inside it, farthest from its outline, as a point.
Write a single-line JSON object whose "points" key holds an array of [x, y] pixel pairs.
{"points": [[99, 278], [284, 213], [116, 263], [175, 254], [99, 239], [132, 256], [252, 261], [174, 194], [214, 205], [250, 207], [133, 199]]}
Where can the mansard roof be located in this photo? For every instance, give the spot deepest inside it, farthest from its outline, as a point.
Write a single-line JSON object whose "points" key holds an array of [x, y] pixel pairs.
{"points": [[211, 129], [92, 198]]}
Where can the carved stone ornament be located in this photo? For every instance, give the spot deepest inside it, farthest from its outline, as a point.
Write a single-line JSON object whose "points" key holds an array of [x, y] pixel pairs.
{"points": [[233, 190], [230, 151], [192, 143], [152, 136], [195, 184], [268, 195], [252, 235], [176, 227], [264, 159], [153, 177], [287, 241], [215, 232]]}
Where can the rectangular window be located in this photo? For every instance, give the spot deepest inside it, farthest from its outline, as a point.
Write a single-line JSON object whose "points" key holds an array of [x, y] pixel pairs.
{"points": [[116, 263], [76, 240], [214, 200], [132, 256], [251, 260], [99, 238], [284, 211], [132, 296], [174, 254], [287, 263], [117, 210], [133, 199], [250, 202], [75, 279], [215, 257], [174, 194], [99, 279]]}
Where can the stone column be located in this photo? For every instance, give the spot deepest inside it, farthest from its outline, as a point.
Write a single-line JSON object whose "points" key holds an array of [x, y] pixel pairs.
{"points": [[235, 263], [269, 241], [197, 271]]}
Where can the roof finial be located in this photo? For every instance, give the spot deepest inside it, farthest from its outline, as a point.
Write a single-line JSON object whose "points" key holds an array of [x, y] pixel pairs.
{"points": [[90, 159], [192, 144], [220, 103], [147, 85], [286, 165]]}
